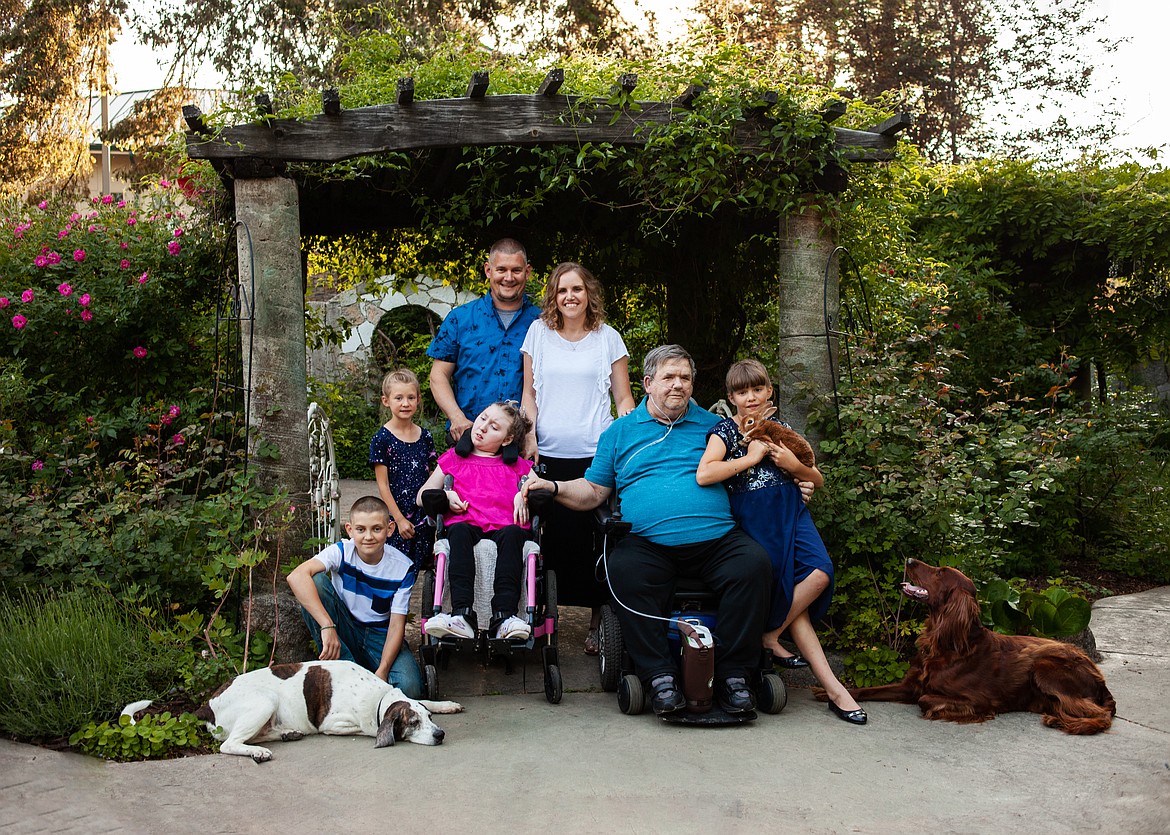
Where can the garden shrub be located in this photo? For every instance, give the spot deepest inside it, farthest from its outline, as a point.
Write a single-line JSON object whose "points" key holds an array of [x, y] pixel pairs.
{"points": [[107, 304], [354, 417], [994, 482], [165, 519], [72, 656], [154, 736]]}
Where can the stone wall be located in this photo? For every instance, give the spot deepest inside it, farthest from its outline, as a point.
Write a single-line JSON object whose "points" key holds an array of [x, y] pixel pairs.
{"points": [[364, 312]]}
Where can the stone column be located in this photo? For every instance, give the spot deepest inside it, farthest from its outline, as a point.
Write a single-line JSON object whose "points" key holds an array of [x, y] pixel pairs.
{"points": [[807, 356], [268, 238]]}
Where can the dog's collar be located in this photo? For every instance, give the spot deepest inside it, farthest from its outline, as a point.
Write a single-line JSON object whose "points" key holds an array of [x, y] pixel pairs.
{"points": [[382, 711]]}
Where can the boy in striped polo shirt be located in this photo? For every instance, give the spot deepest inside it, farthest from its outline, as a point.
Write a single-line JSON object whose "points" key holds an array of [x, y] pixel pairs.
{"points": [[355, 596]]}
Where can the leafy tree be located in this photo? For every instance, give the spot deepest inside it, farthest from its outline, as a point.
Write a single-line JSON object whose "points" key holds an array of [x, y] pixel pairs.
{"points": [[52, 58], [250, 42], [958, 64]]}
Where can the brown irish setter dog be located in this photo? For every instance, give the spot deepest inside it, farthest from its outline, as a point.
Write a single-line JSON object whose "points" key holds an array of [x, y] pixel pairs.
{"points": [[964, 672]]}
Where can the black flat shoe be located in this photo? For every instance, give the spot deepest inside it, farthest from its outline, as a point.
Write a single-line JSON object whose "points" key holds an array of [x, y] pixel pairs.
{"points": [[665, 695], [789, 662], [853, 717], [734, 695]]}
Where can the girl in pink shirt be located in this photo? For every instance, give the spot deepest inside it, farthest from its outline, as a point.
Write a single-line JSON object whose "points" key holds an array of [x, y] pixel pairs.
{"points": [[485, 503]]}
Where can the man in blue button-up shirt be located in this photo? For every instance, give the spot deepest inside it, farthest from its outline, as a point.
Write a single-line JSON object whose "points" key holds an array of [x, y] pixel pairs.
{"points": [[476, 352]]}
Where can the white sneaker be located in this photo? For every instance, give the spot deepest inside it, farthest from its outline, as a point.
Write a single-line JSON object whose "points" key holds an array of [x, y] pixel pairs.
{"points": [[443, 625], [514, 629]]}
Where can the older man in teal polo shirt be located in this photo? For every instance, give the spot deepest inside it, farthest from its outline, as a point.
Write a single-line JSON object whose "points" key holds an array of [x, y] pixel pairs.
{"points": [[679, 529]]}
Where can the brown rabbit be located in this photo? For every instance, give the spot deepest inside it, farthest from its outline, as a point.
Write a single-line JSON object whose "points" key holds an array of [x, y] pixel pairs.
{"points": [[756, 426]]}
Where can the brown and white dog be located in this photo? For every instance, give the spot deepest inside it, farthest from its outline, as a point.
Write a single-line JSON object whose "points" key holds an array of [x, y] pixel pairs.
{"points": [[290, 701]]}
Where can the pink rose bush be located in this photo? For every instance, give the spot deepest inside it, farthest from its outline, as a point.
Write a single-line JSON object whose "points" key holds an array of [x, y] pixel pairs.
{"points": [[129, 284]]}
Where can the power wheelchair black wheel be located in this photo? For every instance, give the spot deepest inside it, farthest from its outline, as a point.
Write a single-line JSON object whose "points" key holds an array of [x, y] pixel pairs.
{"points": [[771, 694], [631, 695], [609, 645]]}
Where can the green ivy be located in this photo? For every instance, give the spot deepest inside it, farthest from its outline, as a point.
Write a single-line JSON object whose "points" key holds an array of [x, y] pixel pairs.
{"points": [[154, 736]]}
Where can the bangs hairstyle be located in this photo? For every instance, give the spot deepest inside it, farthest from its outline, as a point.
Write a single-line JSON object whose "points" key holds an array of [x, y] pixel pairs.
{"points": [[594, 307], [402, 377], [519, 424], [746, 374], [369, 504]]}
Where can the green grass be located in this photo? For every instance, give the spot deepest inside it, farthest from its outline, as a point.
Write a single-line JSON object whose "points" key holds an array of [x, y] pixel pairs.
{"points": [[68, 658]]}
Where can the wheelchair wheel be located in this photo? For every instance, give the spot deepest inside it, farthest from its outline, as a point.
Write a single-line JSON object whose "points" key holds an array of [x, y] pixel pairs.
{"points": [[631, 696], [550, 607], [427, 602], [609, 655], [553, 686], [771, 694], [431, 682]]}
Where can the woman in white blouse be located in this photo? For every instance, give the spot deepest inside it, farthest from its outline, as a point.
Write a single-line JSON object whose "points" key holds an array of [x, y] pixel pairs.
{"points": [[574, 366]]}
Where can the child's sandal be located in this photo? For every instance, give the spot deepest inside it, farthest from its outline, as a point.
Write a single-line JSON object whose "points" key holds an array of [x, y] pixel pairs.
{"points": [[591, 645]]}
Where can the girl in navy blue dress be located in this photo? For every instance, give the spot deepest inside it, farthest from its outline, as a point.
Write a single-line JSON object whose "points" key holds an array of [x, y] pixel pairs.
{"points": [[402, 454], [761, 479]]}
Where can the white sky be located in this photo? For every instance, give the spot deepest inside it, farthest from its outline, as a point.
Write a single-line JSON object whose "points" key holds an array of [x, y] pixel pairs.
{"points": [[1136, 78]]}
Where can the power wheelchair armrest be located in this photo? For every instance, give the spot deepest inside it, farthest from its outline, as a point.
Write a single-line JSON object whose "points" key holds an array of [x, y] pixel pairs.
{"points": [[609, 520]]}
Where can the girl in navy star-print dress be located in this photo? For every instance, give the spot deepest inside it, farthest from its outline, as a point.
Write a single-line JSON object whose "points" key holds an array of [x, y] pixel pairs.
{"points": [[402, 454]]}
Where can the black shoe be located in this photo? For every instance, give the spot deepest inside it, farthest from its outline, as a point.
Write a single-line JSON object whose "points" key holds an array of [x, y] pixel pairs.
{"points": [[665, 696], [734, 695], [854, 717], [789, 662]]}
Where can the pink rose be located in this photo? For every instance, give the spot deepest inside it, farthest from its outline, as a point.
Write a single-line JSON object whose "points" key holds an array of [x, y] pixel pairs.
{"points": [[79, 255], [125, 264], [19, 321], [178, 233], [41, 261], [142, 278], [38, 465], [178, 440], [140, 353], [87, 315], [84, 300], [27, 296], [4, 302], [107, 199], [64, 289], [174, 247]]}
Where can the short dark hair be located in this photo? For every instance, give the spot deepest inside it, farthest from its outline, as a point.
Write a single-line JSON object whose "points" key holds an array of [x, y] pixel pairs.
{"points": [[508, 246], [369, 504]]}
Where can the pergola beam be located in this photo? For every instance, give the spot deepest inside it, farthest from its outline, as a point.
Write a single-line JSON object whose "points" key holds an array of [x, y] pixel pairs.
{"points": [[519, 120]]}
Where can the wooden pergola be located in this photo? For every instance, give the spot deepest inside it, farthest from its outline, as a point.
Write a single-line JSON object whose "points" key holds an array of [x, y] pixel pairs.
{"points": [[273, 213]]}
